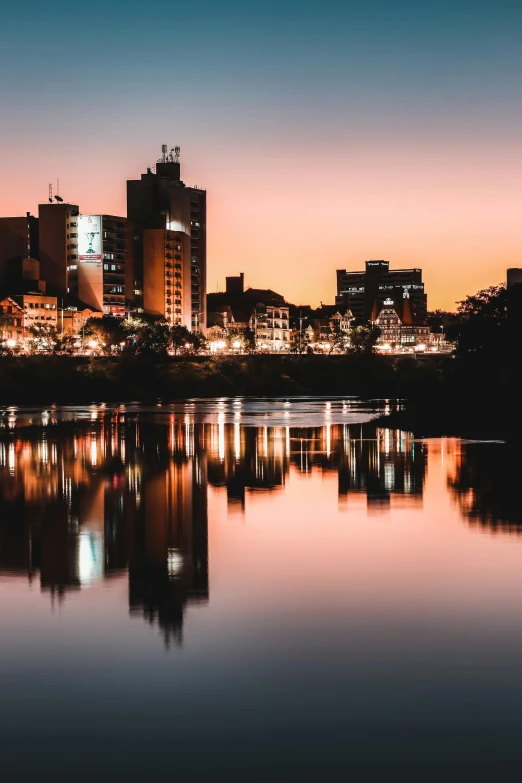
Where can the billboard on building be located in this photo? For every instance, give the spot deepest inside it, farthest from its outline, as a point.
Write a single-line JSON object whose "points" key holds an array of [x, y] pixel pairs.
{"points": [[89, 239]]}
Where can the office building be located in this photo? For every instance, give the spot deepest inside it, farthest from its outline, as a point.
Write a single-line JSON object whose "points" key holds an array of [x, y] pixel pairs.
{"points": [[365, 292], [161, 202], [96, 275], [57, 244]]}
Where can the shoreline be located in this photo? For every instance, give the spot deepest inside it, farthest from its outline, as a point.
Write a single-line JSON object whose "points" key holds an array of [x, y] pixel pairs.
{"points": [[441, 395]]}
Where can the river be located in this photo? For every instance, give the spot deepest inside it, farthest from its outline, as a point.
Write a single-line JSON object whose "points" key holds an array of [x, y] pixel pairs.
{"points": [[256, 590]]}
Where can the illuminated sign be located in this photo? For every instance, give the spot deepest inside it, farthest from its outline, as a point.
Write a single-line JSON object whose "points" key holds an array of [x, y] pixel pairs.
{"points": [[89, 239]]}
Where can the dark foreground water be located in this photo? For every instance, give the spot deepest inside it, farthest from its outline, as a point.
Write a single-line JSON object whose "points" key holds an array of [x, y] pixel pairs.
{"points": [[249, 590]]}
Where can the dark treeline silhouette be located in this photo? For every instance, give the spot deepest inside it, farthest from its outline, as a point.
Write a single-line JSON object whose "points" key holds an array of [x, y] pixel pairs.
{"points": [[486, 486]]}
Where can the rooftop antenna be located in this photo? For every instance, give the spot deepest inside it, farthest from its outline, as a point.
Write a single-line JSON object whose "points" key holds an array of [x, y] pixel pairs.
{"points": [[164, 151], [177, 150], [50, 193], [58, 197]]}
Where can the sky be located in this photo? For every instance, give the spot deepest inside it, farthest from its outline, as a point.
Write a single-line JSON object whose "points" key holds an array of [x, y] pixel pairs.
{"points": [[326, 133]]}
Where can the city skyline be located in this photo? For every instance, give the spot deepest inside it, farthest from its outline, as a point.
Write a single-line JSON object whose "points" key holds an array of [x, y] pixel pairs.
{"points": [[392, 133]]}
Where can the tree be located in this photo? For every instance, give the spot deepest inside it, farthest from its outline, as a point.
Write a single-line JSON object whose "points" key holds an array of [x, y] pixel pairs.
{"points": [[108, 332], [440, 320], [363, 339], [482, 322], [244, 337]]}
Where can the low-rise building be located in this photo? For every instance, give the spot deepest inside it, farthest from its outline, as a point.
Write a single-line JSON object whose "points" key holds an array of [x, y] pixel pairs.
{"points": [[399, 332], [11, 320], [39, 310], [271, 327]]}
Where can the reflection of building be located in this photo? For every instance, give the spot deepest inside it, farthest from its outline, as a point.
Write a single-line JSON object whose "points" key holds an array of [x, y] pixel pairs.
{"points": [[93, 499], [390, 467], [76, 508], [169, 560], [485, 484]]}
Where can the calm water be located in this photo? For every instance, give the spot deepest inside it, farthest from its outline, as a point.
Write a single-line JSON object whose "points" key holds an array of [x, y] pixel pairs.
{"points": [[256, 590]]}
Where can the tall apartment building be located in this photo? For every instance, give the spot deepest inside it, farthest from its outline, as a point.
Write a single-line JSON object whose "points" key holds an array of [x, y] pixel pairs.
{"points": [[163, 274], [160, 201], [365, 292], [58, 244], [18, 240], [96, 271]]}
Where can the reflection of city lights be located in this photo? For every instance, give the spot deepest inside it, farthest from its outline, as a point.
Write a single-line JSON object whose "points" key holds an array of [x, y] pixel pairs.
{"points": [[93, 452], [174, 562], [221, 436], [90, 557], [237, 441]]}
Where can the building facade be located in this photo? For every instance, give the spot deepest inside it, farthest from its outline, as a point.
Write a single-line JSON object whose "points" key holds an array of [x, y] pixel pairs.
{"points": [[11, 320], [97, 272], [39, 310], [399, 332], [271, 327], [163, 290], [57, 244], [160, 200], [360, 291]]}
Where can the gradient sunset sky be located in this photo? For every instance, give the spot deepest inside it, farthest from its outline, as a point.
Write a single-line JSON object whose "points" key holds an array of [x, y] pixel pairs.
{"points": [[326, 133]]}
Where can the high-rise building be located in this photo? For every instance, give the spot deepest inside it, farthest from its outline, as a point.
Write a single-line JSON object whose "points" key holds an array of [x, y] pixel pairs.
{"points": [[96, 275], [163, 274], [160, 201], [365, 292], [58, 244]]}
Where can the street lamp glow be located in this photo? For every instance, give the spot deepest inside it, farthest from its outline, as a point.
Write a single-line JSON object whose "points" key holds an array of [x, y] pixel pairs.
{"points": [[92, 343], [11, 343], [236, 344]]}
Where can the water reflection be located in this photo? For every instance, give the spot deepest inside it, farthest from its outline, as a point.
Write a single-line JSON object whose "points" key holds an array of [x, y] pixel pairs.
{"points": [[126, 493], [485, 484]]}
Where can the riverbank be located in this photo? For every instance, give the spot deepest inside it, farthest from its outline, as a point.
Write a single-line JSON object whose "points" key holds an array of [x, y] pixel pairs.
{"points": [[442, 395]]}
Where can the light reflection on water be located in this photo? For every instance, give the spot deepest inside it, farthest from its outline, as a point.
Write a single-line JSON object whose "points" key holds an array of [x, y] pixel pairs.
{"points": [[311, 593]]}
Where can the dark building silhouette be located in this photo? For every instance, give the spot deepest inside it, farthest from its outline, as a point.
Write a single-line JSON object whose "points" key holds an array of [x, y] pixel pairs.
{"points": [[169, 224], [364, 293], [18, 240]]}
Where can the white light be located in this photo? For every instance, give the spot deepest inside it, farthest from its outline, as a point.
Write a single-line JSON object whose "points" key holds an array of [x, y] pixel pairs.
{"points": [[11, 343], [174, 562], [236, 344]]}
